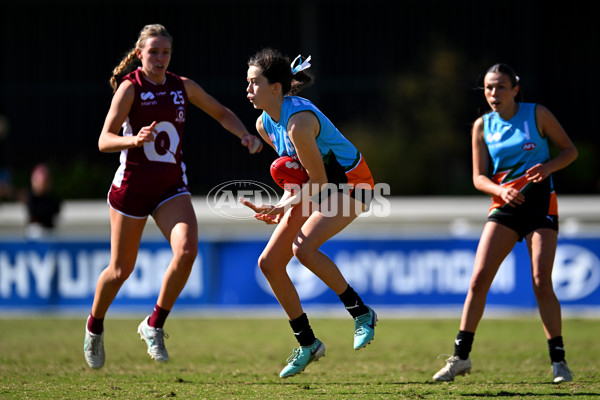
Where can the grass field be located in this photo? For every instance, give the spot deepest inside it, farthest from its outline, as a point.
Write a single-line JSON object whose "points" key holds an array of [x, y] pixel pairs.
{"points": [[241, 358]]}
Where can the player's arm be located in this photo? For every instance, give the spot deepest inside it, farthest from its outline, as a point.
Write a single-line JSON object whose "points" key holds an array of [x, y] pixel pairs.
{"points": [[481, 179], [550, 127], [227, 118], [303, 129], [110, 140], [263, 133]]}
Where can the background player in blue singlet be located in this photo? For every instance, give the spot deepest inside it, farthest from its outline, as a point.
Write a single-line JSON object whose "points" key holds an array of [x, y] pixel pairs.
{"points": [[294, 126], [514, 137], [149, 105]]}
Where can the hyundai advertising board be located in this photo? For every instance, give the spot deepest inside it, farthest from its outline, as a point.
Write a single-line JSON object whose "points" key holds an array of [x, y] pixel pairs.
{"points": [[61, 276]]}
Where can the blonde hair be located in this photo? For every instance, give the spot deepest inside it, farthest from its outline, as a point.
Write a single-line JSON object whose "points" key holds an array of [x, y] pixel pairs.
{"points": [[147, 31]]}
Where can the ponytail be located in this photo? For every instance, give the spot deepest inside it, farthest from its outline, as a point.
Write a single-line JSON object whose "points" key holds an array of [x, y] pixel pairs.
{"points": [[122, 68]]}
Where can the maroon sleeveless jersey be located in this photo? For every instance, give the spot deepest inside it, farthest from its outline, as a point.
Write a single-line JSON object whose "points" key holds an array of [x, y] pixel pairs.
{"points": [[154, 172]]}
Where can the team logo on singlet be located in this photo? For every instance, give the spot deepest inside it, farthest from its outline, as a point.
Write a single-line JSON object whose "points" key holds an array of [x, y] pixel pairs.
{"points": [[180, 116]]}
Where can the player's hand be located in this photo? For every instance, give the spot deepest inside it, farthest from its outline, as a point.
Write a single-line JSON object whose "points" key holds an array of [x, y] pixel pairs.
{"points": [[268, 219], [538, 173], [145, 135], [253, 143], [267, 213], [511, 196]]}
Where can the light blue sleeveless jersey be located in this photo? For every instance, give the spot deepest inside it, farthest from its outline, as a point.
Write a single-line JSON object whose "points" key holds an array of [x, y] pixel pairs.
{"points": [[515, 145], [334, 147]]}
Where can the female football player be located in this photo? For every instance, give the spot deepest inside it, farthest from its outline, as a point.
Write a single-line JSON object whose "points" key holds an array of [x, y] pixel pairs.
{"points": [[149, 104], [514, 137], [306, 219]]}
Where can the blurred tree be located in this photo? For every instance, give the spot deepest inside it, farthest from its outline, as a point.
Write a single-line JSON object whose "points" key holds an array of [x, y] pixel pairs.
{"points": [[417, 145]]}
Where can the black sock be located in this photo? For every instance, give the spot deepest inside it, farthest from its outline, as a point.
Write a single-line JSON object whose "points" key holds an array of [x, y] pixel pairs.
{"points": [[353, 302], [463, 344], [302, 330], [556, 348]]}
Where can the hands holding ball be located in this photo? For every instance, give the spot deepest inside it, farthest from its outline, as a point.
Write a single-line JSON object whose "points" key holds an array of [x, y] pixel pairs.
{"points": [[290, 175]]}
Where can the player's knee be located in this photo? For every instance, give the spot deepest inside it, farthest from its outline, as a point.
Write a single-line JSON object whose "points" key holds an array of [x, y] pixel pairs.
{"points": [[186, 255], [185, 248], [542, 286], [304, 252], [121, 273], [270, 266], [479, 285], [265, 265]]}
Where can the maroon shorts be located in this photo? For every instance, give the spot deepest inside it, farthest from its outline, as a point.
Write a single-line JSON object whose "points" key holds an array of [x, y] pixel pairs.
{"points": [[140, 204]]}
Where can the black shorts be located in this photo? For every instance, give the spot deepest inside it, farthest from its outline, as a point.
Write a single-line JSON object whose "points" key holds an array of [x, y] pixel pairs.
{"points": [[524, 225], [361, 193], [531, 215]]}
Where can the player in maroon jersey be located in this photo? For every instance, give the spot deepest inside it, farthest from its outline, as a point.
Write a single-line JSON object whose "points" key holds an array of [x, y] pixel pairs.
{"points": [[149, 105]]}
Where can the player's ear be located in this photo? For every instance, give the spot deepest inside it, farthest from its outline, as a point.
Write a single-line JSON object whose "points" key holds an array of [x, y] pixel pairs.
{"points": [[277, 89]]}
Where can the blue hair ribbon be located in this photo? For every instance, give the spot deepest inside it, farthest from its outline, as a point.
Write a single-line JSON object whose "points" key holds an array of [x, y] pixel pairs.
{"points": [[302, 64]]}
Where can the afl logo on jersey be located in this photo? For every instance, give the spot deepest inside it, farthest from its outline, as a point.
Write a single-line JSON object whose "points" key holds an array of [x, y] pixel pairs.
{"points": [[529, 146]]}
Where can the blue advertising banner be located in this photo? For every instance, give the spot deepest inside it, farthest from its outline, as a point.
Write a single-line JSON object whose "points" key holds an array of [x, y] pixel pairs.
{"points": [[61, 275], [416, 272], [55, 276]]}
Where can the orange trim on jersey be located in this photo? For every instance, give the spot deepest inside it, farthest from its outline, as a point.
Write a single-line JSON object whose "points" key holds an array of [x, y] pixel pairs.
{"points": [[519, 184], [360, 176], [553, 207]]}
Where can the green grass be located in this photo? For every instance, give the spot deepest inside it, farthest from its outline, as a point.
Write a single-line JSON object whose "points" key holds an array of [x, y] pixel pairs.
{"points": [[42, 358]]}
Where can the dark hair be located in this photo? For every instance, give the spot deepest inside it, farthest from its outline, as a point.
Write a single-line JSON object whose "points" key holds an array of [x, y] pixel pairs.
{"points": [[276, 68], [508, 71]]}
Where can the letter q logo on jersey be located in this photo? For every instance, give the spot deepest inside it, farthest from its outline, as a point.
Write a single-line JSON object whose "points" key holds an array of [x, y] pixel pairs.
{"points": [[576, 272]]}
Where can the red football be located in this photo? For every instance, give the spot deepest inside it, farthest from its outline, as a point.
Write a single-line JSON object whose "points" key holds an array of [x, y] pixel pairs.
{"points": [[287, 172]]}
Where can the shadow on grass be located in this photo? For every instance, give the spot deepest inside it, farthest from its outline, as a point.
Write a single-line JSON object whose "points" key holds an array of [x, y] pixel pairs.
{"points": [[529, 394], [365, 390]]}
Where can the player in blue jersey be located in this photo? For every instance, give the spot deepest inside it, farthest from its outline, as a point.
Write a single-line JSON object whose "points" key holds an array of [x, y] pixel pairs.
{"points": [[514, 137], [293, 126]]}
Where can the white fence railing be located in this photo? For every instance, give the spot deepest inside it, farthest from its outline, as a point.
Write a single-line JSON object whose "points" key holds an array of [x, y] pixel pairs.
{"points": [[400, 217]]}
